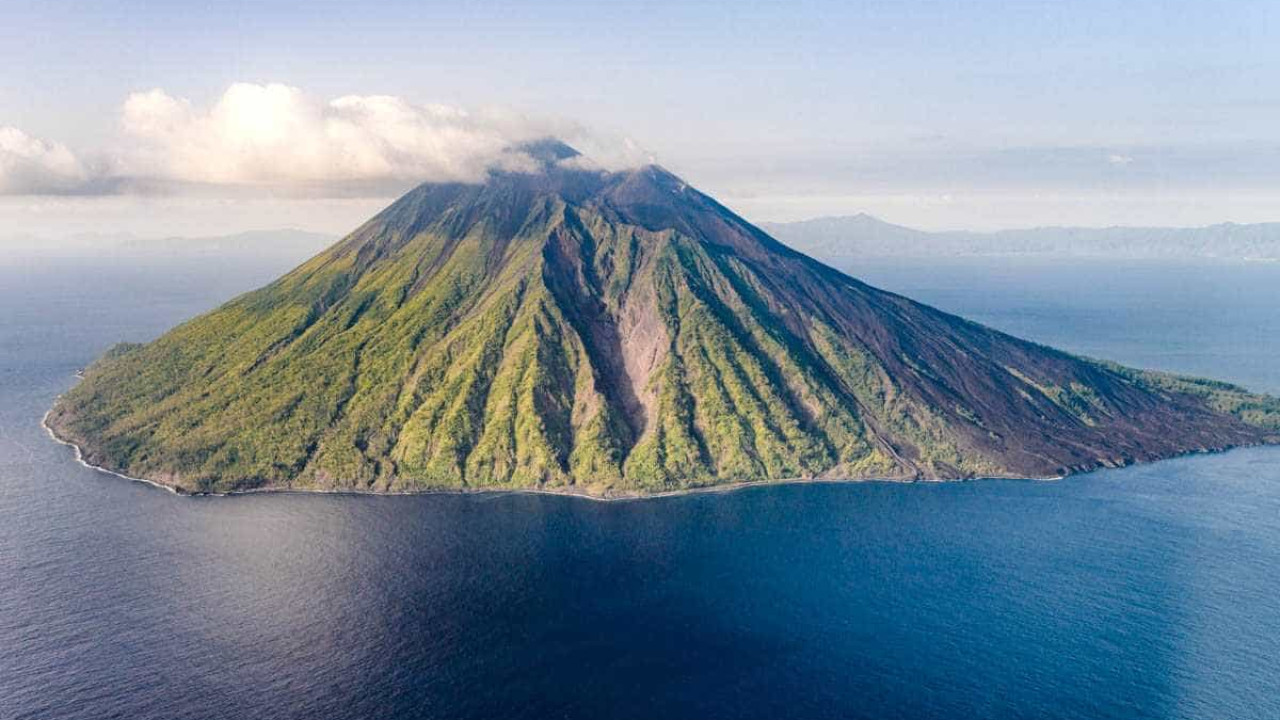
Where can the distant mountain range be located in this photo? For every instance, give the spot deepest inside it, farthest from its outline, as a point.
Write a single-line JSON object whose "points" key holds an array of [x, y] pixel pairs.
{"points": [[294, 243], [831, 237], [284, 243], [864, 235]]}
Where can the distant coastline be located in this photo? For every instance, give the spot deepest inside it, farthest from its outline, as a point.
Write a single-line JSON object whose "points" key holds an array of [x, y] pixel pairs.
{"points": [[867, 236]]}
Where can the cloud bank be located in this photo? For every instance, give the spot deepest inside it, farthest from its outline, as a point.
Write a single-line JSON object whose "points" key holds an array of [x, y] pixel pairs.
{"points": [[275, 134], [280, 137], [31, 166]]}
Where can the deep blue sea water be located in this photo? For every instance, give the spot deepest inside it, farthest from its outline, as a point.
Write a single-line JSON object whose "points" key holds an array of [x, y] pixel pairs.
{"points": [[1149, 592]]}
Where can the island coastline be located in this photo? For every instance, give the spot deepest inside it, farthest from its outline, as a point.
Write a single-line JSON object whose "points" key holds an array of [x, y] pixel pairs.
{"points": [[568, 492], [618, 497]]}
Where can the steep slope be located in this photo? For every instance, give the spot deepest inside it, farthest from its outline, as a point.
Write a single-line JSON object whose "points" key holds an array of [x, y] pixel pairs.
{"points": [[607, 333]]}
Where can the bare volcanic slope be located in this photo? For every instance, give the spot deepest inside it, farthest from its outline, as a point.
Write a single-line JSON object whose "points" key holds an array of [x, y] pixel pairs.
{"points": [[607, 333]]}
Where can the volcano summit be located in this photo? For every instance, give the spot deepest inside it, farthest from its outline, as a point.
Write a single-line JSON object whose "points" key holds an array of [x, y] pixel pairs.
{"points": [[609, 334]]}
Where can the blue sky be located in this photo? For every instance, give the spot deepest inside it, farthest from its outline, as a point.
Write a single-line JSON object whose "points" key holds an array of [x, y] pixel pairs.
{"points": [[936, 114]]}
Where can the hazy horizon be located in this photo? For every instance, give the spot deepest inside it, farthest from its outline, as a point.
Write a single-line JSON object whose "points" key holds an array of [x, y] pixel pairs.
{"points": [[195, 119], [307, 226], [833, 239]]}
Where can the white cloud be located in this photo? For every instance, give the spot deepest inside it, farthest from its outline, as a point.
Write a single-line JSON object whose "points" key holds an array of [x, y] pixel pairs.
{"points": [[1120, 160], [30, 165], [278, 137], [604, 152], [276, 134]]}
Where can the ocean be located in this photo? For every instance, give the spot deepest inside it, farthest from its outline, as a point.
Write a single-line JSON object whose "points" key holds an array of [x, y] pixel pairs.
{"points": [[1146, 592]]}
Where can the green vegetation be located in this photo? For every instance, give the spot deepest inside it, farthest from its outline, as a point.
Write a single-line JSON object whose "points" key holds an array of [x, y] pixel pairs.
{"points": [[1259, 410], [606, 333]]}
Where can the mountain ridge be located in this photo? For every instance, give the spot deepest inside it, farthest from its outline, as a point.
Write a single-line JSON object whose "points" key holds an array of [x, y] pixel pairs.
{"points": [[607, 333], [864, 235]]}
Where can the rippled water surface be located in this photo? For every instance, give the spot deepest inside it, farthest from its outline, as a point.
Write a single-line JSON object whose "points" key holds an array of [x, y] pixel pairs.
{"points": [[1150, 592]]}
